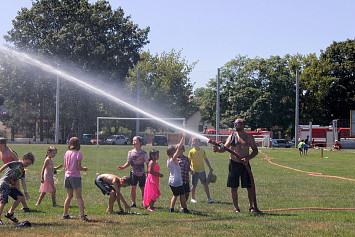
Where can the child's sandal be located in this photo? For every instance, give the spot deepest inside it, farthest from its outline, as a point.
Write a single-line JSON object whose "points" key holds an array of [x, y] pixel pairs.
{"points": [[1, 222], [11, 217]]}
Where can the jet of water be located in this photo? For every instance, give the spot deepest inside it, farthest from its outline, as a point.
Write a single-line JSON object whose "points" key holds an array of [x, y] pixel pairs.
{"points": [[25, 58]]}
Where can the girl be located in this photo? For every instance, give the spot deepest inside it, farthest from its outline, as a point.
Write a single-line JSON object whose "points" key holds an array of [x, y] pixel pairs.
{"points": [[151, 190], [47, 181], [72, 182]]}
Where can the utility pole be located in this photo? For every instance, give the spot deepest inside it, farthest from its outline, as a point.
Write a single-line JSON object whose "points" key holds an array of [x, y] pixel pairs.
{"points": [[297, 109], [138, 95], [217, 106], [57, 111]]}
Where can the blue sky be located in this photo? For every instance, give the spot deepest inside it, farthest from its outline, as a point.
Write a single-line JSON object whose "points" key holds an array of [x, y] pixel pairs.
{"points": [[214, 32]]}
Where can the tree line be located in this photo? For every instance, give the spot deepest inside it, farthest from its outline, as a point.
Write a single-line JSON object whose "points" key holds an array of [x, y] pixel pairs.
{"points": [[104, 42]]}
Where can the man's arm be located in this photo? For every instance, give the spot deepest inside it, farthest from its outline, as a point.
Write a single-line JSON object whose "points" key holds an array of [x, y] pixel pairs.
{"points": [[221, 149], [254, 148]]}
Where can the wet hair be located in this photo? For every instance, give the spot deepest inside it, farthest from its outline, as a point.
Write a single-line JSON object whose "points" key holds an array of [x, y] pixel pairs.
{"points": [[171, 151], [196, 139], [50, 149], [153, 153], [127, 180], [140, 139], [74, 143], [29, 156], [2, 140]]}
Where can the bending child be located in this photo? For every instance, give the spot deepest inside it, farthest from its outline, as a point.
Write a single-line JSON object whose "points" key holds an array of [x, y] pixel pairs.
{"points": [[105, 183], [14, 171]]}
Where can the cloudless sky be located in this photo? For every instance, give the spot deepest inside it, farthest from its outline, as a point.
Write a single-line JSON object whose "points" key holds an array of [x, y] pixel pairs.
{"points": [[214, 32]]}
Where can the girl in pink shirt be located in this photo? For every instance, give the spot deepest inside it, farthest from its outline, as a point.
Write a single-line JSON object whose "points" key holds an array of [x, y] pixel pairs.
{"points": [[72, 163]]}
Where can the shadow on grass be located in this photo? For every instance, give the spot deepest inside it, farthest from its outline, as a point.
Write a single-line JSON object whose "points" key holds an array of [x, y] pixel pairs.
{"points": [[31, 211]]}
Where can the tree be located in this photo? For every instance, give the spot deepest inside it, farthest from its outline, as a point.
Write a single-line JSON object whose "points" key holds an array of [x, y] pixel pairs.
{"points": [[90, 36], [258, 90], [164, 83]]}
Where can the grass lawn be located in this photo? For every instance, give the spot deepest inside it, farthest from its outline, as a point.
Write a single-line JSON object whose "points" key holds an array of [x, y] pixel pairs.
{"points": [[276, 187]]}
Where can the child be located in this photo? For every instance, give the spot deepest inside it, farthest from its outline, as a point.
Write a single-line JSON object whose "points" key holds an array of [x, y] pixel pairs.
{"points": [[151, 190], [185, 165], [175, 180], [47, 181], [136, 159], [197, 156], [14, 171], [72, 182], [8, 155], [105, 181], [300, 147]]}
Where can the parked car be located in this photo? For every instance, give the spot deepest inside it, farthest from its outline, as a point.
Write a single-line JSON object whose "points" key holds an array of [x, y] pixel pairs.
{"points": [[70, 135], [87, 138], [93, 140], [281, 143], [116, 140], [160, 140]]}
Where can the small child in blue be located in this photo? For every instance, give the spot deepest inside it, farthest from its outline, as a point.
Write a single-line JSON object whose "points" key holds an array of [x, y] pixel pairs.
{"points": [[14, 171]]}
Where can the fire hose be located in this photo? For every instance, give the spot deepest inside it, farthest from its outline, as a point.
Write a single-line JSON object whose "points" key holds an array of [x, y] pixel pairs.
{"points": [[219, 144]]}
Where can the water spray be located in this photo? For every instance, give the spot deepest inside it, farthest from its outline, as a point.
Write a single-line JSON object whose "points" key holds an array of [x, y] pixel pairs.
{"points": [[25, 58]]}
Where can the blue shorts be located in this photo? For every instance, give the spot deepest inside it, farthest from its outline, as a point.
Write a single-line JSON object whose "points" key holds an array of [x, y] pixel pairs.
{"points": [[72, 182], [6, 192], [305, 147], [198, 176]]}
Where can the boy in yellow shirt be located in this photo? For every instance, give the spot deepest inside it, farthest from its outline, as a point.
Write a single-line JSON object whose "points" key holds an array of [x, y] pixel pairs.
{"points": [[197, 156]]}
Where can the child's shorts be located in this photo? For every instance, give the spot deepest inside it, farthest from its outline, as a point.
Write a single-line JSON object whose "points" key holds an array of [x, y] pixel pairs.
{"points": [[72, 182], [198, 176], [186, 187], [177, 191], [135, 179], [105, 188], [6, 192]]}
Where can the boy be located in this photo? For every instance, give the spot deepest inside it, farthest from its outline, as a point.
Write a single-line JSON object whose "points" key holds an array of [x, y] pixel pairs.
{"points": [[14, 171], [197, 156], [185, 165], [300, 147], [105, 181], [175, 180]]}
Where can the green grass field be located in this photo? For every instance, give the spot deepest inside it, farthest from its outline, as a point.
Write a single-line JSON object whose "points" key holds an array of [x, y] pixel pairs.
{"points": [[276, 187]]}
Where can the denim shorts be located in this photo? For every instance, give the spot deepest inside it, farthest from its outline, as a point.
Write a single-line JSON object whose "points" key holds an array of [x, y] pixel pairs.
{"points": [[198, 176]]}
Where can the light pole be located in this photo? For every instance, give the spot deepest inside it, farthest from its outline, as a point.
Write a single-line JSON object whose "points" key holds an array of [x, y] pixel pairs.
{"points": [[297, 109], [217, 106], [57, 111]]}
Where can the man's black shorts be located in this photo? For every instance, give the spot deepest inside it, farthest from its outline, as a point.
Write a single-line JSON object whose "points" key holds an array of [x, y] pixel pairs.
{"points": [[105, 187], [237, 170]]}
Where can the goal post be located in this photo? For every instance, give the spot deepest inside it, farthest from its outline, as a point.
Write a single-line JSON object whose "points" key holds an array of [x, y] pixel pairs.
{"points": [[118, 118]]}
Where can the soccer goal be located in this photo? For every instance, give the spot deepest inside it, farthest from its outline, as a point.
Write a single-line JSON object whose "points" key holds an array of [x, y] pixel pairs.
{"points": [[116, 118]]}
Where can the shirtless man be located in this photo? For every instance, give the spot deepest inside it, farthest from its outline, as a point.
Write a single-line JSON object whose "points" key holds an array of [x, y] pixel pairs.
{"points": [[7, 155], [105, 181], [239, 142]]}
